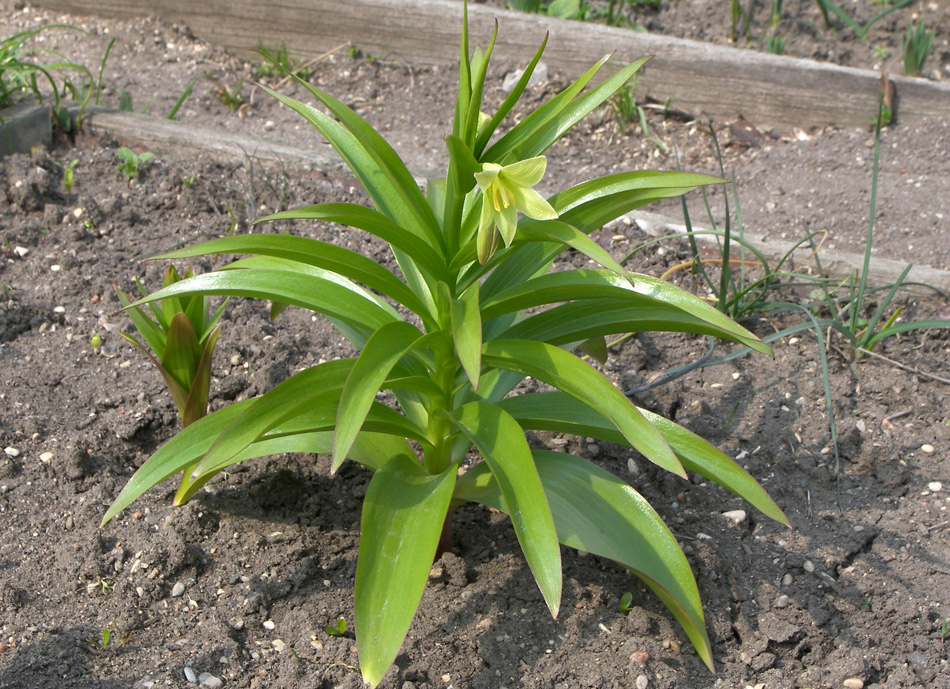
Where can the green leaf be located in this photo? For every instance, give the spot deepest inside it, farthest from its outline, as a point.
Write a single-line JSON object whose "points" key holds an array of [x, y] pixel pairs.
{"points": [[552, 230], [380, 170], [191, 443], [566, 372], [324, 294], [313, 387], [403, 513], [598, 513], [464, 164], [593, 284], [559, 412], [501, 442], [182, 352], [196, 405], [467, 333], [345, 262], [376, 224], [382, 352]]}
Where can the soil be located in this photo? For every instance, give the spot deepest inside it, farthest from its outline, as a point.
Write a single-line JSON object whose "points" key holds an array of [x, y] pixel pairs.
{"points": [[238, 585]]}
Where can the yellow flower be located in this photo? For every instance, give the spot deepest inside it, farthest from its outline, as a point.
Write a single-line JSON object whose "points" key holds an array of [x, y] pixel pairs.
{"points": [[505, 191]]}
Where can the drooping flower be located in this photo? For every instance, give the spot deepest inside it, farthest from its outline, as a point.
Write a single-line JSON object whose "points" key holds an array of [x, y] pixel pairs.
{"points": [[506, 189]]}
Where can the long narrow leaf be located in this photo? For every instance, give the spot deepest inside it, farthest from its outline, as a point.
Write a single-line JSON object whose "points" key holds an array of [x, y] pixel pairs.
{"points": [[568, 373], [382, 352], [598, 513], [402, 520], [501, 442]]}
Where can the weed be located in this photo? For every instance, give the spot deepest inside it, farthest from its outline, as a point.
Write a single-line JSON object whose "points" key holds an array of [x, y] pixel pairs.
{"points": [[110, 639], [881, 52], [188, 181], [626, 603], [131, 164], [68, 177], [775, 44], [861, 30], [915, 47], [626, 111], [181, 101], [230, 96], [338, 629], [279, 63], [944, 630]]}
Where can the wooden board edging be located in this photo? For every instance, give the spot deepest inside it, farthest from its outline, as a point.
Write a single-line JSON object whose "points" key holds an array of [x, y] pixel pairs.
{"points": [[697, 78]]}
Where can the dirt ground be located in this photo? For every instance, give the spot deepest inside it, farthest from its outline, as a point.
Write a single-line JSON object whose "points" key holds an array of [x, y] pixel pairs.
{"points": [[235, 589]]}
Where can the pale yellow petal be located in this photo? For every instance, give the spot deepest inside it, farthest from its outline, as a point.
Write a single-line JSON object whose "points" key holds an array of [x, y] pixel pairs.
{"points": [[507, 223], [487, 176], [524, 173], [532, 204], [487, 217]]}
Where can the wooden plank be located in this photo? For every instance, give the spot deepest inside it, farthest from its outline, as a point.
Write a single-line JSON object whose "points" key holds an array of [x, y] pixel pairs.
{"points": [[698, 78], [185, 141]]}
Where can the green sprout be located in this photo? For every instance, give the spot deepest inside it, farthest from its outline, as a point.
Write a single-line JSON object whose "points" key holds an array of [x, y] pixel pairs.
{"points": [[179, 339], [131, 164], [95, 342], [626, 603], [279, 63], [915, 47], [944, 630], [450, 337], [68, 176], [338, 629]]}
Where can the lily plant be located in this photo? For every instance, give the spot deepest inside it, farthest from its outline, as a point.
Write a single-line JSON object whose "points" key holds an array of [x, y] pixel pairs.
{"points": [[474, 310]]}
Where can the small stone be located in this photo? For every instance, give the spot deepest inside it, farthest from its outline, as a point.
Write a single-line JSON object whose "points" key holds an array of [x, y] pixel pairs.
{"points": [[735, 516], [190, 675], [269, 624], [928, 448], [788, 580], [854, 683], [935, 486], [640, 657], [178, 590], [21, 251], [69, 523], [446, 678], [642, 682], [809, 566], [632, 467], [46, 457], [11, 452], [782, 601], [278, 645]]}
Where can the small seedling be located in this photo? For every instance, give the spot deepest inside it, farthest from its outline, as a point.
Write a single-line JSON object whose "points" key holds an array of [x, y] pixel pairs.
{"points": [[861, 30], [110, 639], [230, 96], [172, 114], [278, 62], [188, 181], [775, 44], [339, 629], [131, 163], [626, 603], [68, 177], [915, 48], [95, 342], [180, 343], [944, 631], [881, 52]]}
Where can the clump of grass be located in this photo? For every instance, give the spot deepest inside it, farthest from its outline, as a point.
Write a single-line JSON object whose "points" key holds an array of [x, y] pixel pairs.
{"points": [[279, 63], [915, 47]]}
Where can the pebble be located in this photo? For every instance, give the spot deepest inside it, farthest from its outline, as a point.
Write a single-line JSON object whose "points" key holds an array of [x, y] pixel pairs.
{"points": [[928, 448], [935, 486], [632, 467], [642, 682], [809, 566], [190, 675], [46, 457], [788, 580], [269, 624], [178, 590], [854, 683], [21, 251], [11, 452], [278, 645], [782, 601], [69, 523], [640, 657], [735, 516]]}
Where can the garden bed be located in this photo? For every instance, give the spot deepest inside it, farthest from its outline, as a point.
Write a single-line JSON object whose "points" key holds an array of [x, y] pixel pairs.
{"points": [[240, 583]]}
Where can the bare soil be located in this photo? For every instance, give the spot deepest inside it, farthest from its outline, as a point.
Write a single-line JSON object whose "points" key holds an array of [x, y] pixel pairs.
{"points": [[238, 585]]}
